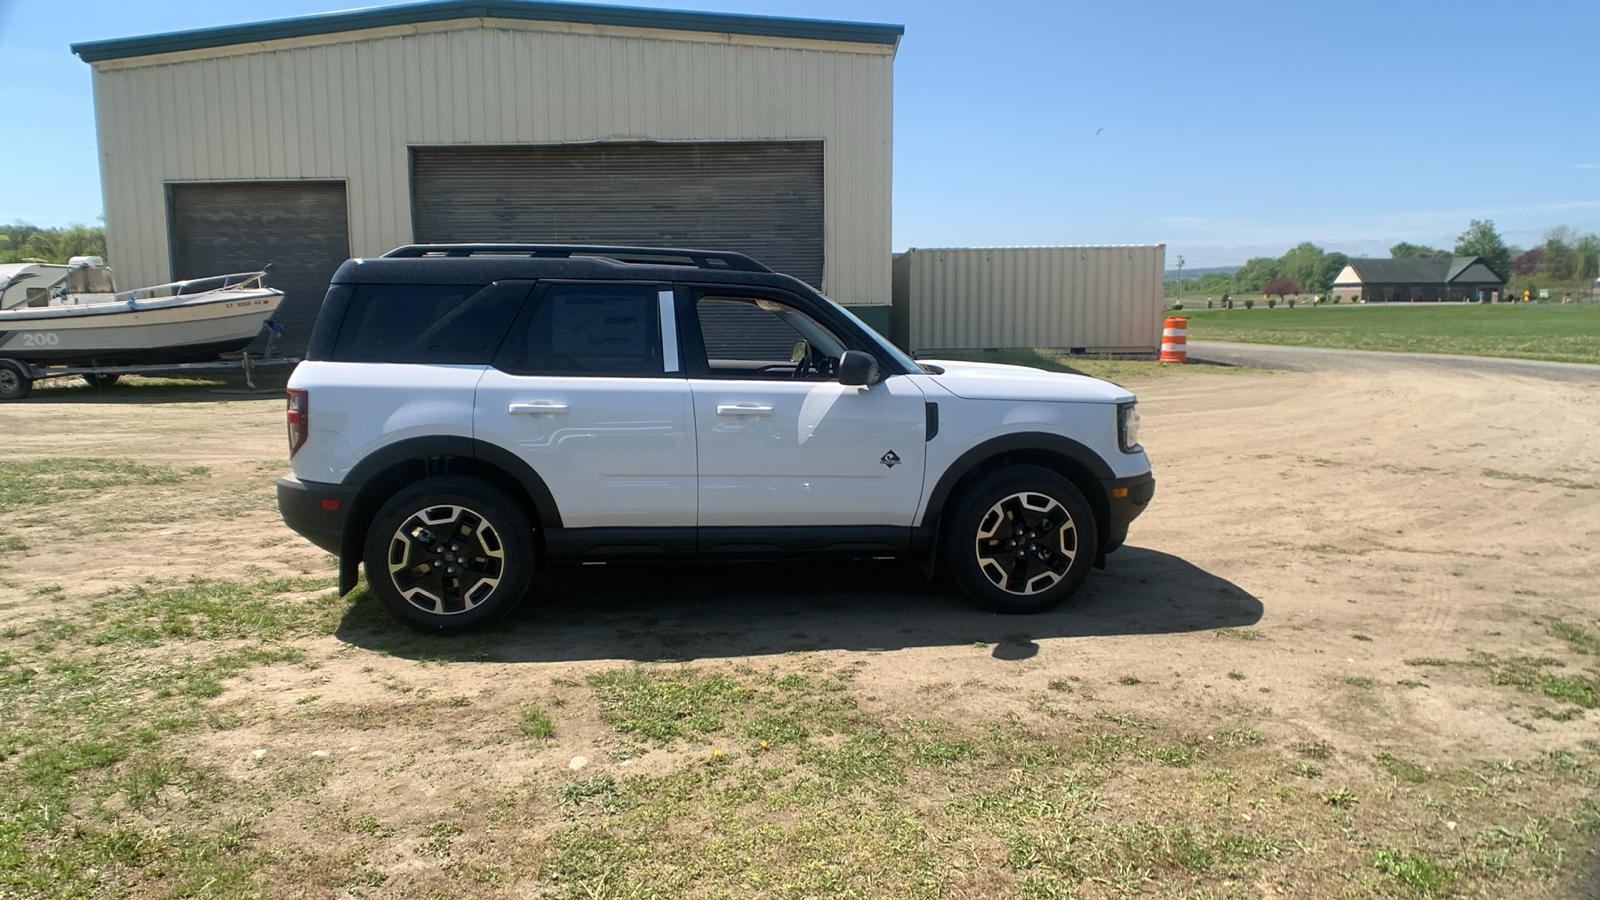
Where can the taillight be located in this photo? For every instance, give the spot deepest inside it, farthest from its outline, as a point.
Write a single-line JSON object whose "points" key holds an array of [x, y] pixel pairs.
{"points": [[299, 414]]}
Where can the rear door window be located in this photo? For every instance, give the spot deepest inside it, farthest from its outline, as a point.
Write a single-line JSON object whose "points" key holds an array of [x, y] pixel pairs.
{"points": [[589, 329]]}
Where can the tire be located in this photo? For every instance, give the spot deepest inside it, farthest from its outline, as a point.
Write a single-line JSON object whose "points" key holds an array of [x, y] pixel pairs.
{"points": [[1058, 539], [448, 585], [14, 385], [101, 381]]}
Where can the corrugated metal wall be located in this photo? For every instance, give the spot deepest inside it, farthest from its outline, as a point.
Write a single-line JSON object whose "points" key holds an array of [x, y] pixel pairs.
{"points": [[1101, 299], [347, 107], [762, 198], [297, 227]]}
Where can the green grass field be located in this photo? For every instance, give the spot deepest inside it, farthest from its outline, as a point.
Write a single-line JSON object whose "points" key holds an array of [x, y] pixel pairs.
{"points": [[1521, 331]]}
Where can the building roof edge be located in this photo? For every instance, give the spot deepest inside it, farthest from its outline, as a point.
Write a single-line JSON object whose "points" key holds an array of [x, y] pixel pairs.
{"points": [[530, 10]]}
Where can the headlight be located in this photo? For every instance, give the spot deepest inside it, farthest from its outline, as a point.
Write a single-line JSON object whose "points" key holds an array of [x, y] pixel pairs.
{"points": [[1128, 427]]}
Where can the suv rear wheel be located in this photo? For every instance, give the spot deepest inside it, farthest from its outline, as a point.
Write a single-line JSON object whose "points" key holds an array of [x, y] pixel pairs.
{"points": [[450, 554], [1022, 539]]}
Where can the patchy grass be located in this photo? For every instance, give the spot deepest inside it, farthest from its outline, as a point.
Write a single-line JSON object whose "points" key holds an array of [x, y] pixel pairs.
{"points": [[536, 722], [1531, 674], [1518, 330], [1405, 770], [1579, 640], [1427, 661], [40, 482], [1539, 479], [88, 707], [781, 780], [1415, 871]]}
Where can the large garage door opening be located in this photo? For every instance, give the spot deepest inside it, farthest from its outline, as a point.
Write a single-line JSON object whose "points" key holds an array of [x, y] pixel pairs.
{"points": [[300, 227], [761, 198]]}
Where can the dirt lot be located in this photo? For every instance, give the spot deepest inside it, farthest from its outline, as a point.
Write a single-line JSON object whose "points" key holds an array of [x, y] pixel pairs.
{"points": [[1369, 563]]}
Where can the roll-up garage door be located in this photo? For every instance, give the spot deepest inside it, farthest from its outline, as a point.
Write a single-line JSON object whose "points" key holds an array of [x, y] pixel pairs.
{"points": [[761, 198], [300, 227]]}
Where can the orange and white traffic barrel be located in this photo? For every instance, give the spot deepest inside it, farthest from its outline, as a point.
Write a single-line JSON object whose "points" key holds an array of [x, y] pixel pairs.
{"points": [[1175, 339]]}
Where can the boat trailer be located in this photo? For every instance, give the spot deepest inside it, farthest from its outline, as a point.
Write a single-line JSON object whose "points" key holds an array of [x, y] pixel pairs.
{"points": [[17, 376]]}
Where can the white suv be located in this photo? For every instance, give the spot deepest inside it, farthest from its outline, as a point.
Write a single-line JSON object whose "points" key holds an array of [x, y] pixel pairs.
{"points": [[468, 415]]}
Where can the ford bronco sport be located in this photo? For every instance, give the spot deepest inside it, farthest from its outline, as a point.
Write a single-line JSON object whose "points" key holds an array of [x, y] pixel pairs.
{"points": [[468, 415]]}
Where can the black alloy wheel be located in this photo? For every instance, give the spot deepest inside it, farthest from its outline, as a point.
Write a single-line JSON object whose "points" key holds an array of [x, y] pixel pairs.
{"points": [[1022, 539], [450, 554]]}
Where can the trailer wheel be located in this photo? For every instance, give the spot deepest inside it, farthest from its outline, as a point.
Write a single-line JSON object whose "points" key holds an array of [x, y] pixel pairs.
{"points": [[101, 380], [14, 382]]}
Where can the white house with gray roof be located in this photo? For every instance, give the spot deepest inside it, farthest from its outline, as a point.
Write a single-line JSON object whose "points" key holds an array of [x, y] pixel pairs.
{"points": [[1448, 279]]}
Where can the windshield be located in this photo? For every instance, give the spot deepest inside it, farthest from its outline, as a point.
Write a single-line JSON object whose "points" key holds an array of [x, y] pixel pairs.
{"points": [[22, 279]]}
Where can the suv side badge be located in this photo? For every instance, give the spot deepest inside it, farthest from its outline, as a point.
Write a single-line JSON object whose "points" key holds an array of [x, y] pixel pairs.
{"points": [[889, 459]]}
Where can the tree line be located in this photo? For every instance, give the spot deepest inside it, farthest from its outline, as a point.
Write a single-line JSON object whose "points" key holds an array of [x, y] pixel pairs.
{"points": [[1563, 258], [23, 242]]}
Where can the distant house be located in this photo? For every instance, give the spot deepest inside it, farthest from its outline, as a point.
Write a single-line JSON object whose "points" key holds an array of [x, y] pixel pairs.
{"points": [[1459, 278]]}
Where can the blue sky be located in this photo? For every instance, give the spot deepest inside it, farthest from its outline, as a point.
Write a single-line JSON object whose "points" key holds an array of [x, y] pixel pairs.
{"points": [[1224, 129]]}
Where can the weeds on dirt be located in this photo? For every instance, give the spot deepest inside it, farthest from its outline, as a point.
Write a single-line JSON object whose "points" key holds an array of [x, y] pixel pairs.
{"points": [[1579, 640], [1427, 661], [766, 781], [1416, 872], [1529, 674], [1314, 749], [536, 722], [1539, 479], [1406, 771], [87, 706], [40, 482]]}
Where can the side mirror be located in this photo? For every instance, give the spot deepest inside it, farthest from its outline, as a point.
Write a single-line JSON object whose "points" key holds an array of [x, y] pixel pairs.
{"points": [[858, 367]]}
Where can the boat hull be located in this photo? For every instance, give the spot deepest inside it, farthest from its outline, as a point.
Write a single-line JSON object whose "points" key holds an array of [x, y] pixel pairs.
{"points": [[125, 335]]}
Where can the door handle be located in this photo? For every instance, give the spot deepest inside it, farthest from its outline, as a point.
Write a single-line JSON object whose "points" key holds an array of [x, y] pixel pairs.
{"points": [[743, 409], [538, 408]]}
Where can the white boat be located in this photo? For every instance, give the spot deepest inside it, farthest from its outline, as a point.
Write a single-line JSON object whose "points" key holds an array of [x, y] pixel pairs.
{"points": [[78, 320]]}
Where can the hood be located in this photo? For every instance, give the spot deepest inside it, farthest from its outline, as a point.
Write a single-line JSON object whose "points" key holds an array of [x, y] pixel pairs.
{"points": [[996, 381]]}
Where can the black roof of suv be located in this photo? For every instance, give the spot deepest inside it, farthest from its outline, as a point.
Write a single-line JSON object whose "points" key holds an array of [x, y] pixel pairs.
{"points": [[483, 264]]}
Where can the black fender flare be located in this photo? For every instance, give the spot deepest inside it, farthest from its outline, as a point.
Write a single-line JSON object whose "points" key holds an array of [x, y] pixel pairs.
{"points": [[1007, 444], [388, 456], [368, 474]]}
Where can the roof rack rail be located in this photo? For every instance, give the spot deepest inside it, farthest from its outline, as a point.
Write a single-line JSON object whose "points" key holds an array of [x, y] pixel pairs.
{"points": [[660, 256]]}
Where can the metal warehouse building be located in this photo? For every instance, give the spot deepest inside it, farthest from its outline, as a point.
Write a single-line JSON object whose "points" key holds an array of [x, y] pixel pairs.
{"points": [[1086, 299], [305, 141]]}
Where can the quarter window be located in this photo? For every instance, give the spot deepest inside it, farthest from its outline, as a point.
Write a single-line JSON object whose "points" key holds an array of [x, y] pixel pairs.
{"points": [[427, 323]]}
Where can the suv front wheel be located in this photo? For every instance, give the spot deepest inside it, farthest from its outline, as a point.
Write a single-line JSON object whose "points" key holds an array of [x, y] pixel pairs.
{"points": [[449, 554], [1022, 539]]}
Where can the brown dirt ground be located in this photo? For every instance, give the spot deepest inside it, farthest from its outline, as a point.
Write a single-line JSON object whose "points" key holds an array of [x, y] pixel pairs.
{"points": [[1307, 528]]}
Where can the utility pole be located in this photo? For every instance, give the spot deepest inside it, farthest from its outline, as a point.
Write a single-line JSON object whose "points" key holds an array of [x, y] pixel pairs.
{"points": [[1180, 280]]}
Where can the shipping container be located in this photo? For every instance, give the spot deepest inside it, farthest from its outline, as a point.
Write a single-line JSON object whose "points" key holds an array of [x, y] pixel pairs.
{"points": [[1083, 299]]}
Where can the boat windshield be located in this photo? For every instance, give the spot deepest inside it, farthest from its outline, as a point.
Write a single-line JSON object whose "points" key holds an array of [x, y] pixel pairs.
{"points": [[21, 283]]}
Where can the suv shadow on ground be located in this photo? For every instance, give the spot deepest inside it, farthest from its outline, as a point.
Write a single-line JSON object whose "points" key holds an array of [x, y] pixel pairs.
{"points": [[683, 612]]}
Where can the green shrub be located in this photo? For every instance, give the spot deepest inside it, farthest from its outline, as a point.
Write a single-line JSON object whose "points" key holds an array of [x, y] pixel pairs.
{"points": [[1250, 304]]}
